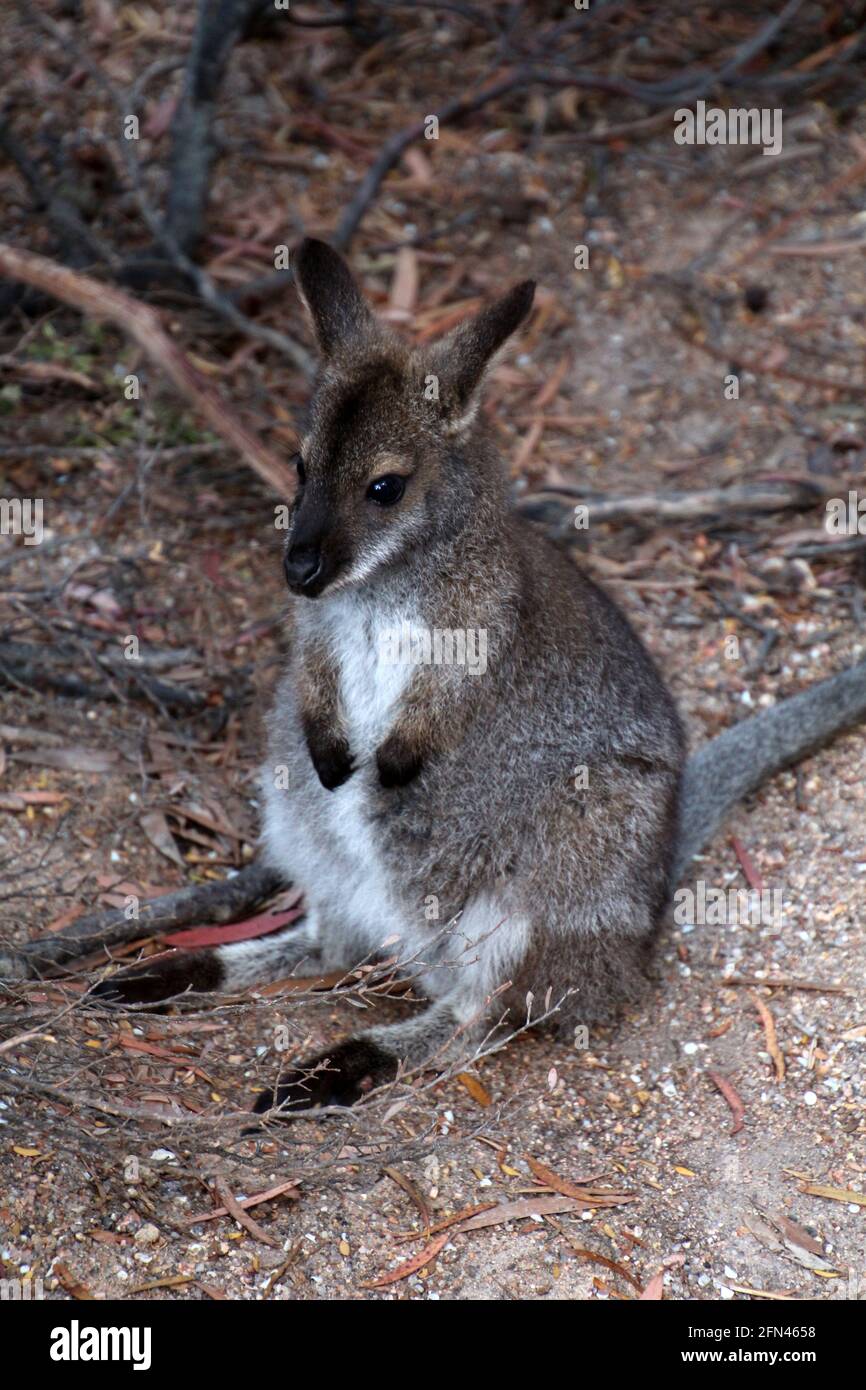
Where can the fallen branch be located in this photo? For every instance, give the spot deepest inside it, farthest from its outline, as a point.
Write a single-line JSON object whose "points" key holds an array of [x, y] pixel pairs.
{"points": [[243, 1219], [144, 325], [784, 982], [43, 666], [283, 1189], [552, 505], [220, 902]]}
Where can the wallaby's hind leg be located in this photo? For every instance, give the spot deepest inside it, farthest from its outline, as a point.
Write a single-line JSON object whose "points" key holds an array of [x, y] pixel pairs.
{"points": [[341, 1074], [224, 969]]}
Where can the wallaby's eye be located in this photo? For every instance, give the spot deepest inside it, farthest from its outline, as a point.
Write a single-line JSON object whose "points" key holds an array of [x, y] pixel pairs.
{"points": [[388, 490], [302, 472]]}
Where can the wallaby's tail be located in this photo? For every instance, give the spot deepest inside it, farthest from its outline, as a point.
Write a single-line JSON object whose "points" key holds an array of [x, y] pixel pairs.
{"points": [[739, 760]]}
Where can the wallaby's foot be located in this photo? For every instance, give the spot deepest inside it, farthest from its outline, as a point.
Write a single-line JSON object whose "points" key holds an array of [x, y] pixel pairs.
{"points": [[198, 972], [338, 1076], [223, 969], [342, 1074]]}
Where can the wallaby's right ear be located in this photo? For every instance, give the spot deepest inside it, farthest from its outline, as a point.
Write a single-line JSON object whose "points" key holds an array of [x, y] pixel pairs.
{"points": [[335, 304], [463, 355]]}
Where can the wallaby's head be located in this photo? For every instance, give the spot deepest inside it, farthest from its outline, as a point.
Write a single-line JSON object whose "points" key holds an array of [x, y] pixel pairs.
{"points": [[391, 458]]}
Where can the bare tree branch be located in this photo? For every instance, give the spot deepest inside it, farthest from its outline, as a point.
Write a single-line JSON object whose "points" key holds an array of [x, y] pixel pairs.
{"points": [[220, 25], [144, 325], [557, 505]]}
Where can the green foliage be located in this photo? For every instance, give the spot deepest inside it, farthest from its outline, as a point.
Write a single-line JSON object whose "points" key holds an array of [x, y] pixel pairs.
{"points": [[49, 347]]}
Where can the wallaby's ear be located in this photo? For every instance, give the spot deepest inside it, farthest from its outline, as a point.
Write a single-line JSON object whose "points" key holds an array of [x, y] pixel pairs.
{"points": [[335, 304], [464, 355]]}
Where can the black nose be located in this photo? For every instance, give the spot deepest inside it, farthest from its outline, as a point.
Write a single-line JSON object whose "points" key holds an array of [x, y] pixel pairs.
{"points": [[301, 565]]}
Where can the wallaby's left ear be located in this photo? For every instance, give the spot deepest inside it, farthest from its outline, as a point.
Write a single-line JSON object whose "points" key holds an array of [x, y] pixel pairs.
{"points": [[336, 306], [464, 355]]}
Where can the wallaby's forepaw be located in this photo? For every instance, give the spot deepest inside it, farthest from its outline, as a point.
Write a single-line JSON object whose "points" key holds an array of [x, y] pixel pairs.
{"points": [[339, 1076], [398, 762], [198, 971], [332, 760]]}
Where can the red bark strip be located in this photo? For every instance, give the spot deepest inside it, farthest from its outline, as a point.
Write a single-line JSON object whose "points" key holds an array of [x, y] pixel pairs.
{"points": [[738, 1109], [753, 878]]}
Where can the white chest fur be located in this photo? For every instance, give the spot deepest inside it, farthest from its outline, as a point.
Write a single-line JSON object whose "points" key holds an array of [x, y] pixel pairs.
{"points": [[328, 842], [372, 675]]}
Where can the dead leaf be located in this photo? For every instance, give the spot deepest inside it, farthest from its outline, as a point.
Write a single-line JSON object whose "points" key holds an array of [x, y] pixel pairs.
{"points": [[171, 1281], [764, 1293], [404, 286], [411, 1266], [418, 165], [261, 925], [69, 1282], [835, 1194], [218, 824], [738, 1109], [412, 1192], [797, 1234], [474, 1087], [770, 1034], [155, 827], [520, 1210], [655, 1289], [48, 372], [158, 117], [804, 1249], [588, 1196], [595, 1258], [449, 1221], [752, 877], [19, 801]]}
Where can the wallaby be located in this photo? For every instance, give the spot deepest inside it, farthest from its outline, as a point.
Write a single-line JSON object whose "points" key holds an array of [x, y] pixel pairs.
{"points": [[473, 762]]}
